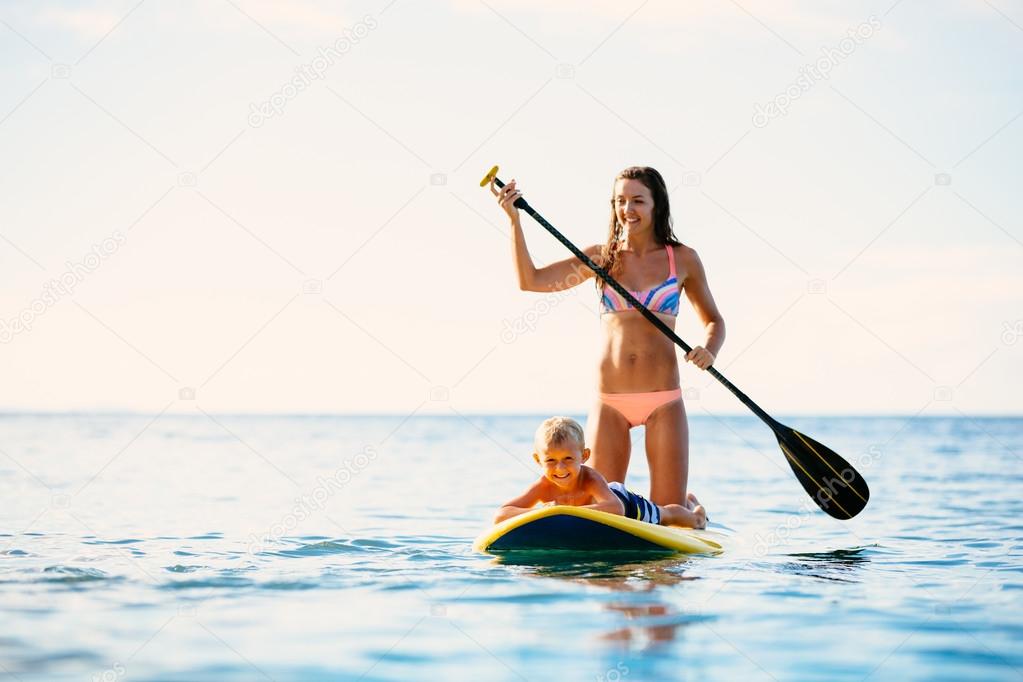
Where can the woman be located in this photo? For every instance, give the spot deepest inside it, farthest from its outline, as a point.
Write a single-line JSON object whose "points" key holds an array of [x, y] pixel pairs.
{"points": [[639, 378]]}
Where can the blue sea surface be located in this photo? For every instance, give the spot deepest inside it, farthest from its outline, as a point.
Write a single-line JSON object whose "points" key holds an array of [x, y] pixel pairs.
{"points": [[214, 547]]}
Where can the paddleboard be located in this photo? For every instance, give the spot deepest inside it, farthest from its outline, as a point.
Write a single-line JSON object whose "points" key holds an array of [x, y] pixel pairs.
{"points": [[579, 528]]}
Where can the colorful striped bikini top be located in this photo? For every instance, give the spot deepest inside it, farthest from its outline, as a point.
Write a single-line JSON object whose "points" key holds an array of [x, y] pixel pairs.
{"points": [[662, 298]]}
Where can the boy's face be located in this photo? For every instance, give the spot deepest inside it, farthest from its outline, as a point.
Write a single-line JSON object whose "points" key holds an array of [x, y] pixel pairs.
{"points": [[561, 463]]}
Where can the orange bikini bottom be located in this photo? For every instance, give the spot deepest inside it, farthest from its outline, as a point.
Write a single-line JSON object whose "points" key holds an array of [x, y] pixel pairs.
{"points": [[636, 407]]}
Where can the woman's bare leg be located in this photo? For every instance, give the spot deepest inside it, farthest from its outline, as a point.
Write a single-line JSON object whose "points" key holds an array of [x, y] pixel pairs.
{"points": [[667, 452], [608, 439]]}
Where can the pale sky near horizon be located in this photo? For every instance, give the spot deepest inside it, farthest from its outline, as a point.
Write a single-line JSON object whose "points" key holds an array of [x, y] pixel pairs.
{"points": [[337, 255]]}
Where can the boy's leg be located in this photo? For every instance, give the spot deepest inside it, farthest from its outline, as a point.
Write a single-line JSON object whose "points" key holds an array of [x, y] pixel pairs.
{"points": [[677, 515]]}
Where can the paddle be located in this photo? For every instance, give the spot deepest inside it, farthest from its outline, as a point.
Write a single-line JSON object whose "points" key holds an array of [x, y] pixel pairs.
{"points": [[832, 482]]}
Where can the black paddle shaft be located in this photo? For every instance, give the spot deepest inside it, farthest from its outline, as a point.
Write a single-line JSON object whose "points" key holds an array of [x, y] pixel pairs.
{"points": [[647, 313]]}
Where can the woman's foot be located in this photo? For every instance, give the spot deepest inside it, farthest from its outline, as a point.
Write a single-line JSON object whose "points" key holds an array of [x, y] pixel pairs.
{"points": [[694, 504]]}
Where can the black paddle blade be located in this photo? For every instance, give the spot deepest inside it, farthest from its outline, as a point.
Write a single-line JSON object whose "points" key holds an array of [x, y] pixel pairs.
{"points": [[832, 482]]}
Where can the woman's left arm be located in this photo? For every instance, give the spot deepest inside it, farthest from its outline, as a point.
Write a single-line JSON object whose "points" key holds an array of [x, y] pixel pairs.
{"points": [[698, 292]]}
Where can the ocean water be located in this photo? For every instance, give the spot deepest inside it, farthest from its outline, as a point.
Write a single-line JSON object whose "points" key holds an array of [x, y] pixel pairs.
{"points": [[282, 548]]}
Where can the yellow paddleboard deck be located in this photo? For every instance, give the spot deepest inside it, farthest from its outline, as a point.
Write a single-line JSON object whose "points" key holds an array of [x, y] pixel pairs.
{"points": [[578, 528]]}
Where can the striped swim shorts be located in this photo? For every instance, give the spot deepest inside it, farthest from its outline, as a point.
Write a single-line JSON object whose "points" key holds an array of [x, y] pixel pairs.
{"points": [[636, 506]]}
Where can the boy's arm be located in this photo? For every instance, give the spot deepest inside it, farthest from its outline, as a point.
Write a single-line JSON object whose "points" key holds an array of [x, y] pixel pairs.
{"points": [[520, 504], [606, 501]]}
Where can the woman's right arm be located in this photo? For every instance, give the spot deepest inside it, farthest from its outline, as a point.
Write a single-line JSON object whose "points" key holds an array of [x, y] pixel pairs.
{"points": [[563, 274]]}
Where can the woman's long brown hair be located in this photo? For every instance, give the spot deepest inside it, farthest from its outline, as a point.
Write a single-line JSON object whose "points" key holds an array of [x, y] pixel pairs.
{"points": [[663, 232]]}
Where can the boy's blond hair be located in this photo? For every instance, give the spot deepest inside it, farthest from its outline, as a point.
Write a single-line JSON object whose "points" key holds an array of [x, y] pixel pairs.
{"points": [[556, 431]]}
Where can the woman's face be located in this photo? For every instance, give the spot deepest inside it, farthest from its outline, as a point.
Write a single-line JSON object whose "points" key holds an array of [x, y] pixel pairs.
{"points": [[634, 206]]}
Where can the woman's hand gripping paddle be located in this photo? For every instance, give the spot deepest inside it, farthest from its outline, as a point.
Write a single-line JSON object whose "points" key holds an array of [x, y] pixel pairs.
{"points": [[832, 482]]}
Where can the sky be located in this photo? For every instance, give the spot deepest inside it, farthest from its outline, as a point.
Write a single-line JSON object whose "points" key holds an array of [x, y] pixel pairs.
{"points": [[257, 206]]}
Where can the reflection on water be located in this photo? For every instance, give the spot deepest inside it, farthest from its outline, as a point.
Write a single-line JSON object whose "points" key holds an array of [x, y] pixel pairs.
{"points": [[648, 620], [841, 565]]}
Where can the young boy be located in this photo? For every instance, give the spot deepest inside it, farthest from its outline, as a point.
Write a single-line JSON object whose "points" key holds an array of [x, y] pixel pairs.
{"points": [[560, 452]]}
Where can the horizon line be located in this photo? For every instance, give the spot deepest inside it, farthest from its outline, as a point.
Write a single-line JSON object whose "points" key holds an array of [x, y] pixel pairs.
{"points": [[119, 412]]}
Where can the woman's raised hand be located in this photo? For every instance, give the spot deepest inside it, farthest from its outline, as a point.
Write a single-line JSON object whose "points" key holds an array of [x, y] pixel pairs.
{"points": [[506, 198]]}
